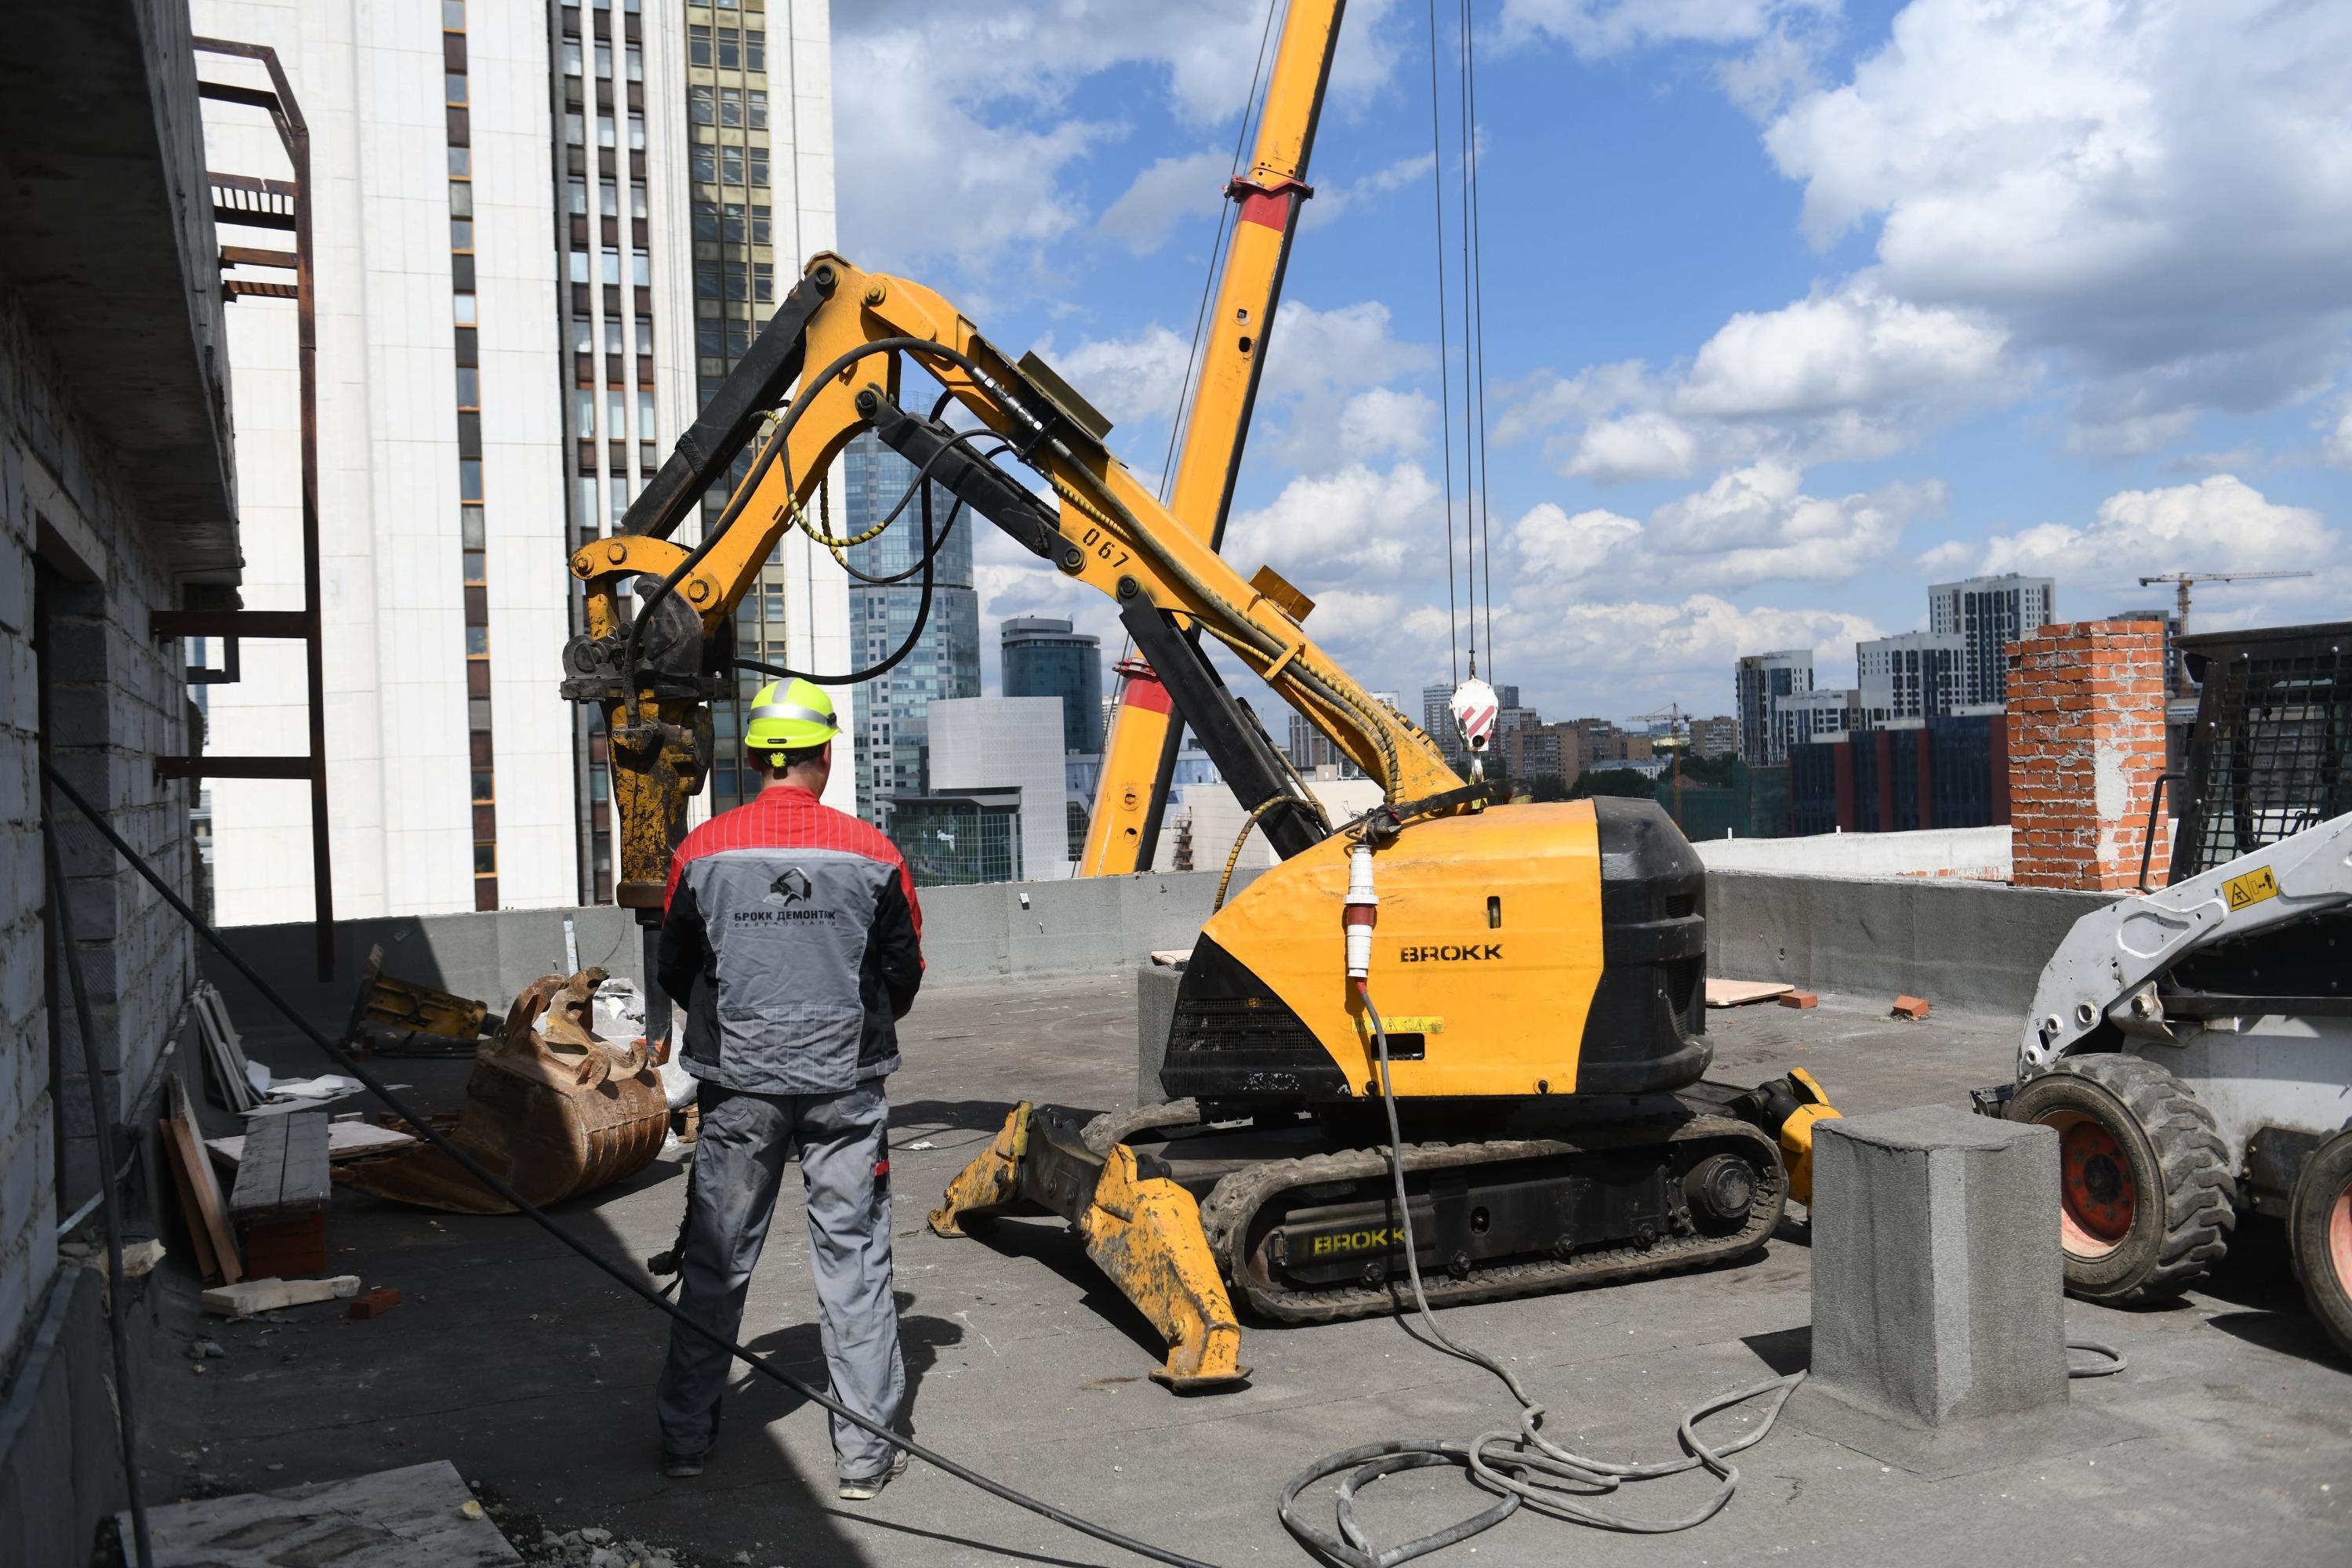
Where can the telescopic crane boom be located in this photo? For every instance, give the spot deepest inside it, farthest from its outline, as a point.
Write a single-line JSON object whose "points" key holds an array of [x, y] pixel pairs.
{"points": [[1140, 755]]}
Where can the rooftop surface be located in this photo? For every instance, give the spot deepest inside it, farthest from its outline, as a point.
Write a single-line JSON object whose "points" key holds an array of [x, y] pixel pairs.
{"points": [[534, 1374]]}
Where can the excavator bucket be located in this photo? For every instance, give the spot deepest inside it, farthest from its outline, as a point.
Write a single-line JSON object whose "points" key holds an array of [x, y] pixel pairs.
{"points": [[551, 1107]]}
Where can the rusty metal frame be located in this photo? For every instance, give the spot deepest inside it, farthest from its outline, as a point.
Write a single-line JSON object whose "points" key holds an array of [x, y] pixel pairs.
{"points": [[245, 200]]}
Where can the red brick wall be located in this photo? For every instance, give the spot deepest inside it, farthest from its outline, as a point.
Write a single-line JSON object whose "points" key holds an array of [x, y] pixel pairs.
{"points": [[2085, 749]]}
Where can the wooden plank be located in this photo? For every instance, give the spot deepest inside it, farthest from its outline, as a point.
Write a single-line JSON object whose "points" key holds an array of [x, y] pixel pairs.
{"points": [[414, 1517], [200, 1240], [1740, 993], [284, 1173], [251, 1295], [261, 1175], [203, 1190], [307, 1185], [345, 1141]]}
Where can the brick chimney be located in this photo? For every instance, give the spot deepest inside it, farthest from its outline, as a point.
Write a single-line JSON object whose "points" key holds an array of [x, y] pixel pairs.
{"points": [[2085, 750]]}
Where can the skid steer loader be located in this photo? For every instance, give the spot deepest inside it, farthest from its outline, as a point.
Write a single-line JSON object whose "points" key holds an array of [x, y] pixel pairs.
{"points": [[2192, 1046]]}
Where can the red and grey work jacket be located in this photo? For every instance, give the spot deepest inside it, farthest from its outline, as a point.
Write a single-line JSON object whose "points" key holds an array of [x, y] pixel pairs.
{"points": [[794, 944]]}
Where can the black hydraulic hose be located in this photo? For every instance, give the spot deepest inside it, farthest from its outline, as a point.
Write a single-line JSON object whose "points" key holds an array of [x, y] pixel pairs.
{"points": [[767, 455], [118, 1310], [425, 1130]]}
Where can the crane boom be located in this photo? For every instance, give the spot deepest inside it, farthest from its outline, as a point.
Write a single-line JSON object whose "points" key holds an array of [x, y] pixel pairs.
{"points": [[1140, 755]]}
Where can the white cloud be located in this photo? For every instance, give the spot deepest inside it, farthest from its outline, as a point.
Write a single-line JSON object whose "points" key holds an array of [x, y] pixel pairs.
{"points": [[1384, 422], [2337, 447], [1751, 525], [1855, 348], [1130, 379], [1334, 199], [2219, 524], [1601, 27], [2158, 194], [1170, 190], [1642, 649], [1351, 525], [965, 144], [1844, 374]]}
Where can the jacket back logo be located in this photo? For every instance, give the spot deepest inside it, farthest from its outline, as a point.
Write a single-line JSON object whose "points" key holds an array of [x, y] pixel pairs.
{"points": [[791, 888]]}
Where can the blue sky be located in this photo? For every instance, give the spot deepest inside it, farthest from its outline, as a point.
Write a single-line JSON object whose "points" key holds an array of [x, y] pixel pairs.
{"points": [[1790, 307]]}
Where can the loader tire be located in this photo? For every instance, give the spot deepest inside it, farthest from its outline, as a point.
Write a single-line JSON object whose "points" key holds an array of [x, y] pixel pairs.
{"points": [[2146, 1198], [2319, 1228]]}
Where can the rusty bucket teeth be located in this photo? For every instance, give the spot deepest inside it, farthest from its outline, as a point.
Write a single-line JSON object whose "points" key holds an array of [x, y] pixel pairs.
{"points": [[552, 1107]]}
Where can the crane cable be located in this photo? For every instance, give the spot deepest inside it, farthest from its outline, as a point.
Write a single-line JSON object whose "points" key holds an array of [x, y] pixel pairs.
{"points": [[1474, 298], [1444, 373]]}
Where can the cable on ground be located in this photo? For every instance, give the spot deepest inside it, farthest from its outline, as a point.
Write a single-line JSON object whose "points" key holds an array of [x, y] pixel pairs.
{"points": [[1523, 1468], [425, 1129]]}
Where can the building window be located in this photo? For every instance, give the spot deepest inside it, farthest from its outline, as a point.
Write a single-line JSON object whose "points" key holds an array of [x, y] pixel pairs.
{"points": [[636, 132], [578, 194], [731, 50], [755, 50], [730, 106], [760, 225], [730, 166], [697, 45], [730, 228], [583, 413], [759, 156], [612, 270], [702, 161], [571, 57], [698, 104], [603, 130], [759, 98], [641, 268], [604, 61], [635, 63], [469, 387], [637, 203], [644, 337], [575, 128], [763, 282], [706, 220], [455, 82]]}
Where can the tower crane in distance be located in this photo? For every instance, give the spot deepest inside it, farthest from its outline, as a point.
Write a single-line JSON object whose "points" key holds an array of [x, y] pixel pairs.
{"points": [[2181, 582]]}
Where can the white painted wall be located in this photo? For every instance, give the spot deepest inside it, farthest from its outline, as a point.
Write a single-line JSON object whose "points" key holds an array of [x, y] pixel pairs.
{"points": [[989, 743]]}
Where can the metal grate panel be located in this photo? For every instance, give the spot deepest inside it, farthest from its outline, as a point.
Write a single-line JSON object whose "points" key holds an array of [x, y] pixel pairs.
{"points": [[2272, 752]]}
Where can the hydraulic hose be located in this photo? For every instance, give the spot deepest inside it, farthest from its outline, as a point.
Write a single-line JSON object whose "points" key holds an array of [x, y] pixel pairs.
{"points": [[425, 1129], [777, 443]]}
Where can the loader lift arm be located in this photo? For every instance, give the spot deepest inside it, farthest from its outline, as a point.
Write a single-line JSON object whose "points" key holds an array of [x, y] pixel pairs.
{"points": [[841, 337]]}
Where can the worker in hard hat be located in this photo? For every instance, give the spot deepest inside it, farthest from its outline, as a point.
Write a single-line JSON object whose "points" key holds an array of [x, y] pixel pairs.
{"points": [[792, 943]]}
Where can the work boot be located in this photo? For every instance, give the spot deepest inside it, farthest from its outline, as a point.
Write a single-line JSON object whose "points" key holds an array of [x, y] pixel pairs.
{"points": [[683, 1467], [869, 1488]]}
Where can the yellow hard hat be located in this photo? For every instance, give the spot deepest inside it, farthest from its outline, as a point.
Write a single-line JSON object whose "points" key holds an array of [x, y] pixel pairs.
{"points": [[790, 716]]}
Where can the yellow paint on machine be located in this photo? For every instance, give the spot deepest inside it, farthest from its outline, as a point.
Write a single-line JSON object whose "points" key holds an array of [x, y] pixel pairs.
{"points": [[2251, 889], [1512, 996]]}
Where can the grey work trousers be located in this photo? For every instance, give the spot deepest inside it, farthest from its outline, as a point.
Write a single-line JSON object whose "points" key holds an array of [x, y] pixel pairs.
{"points": [[739, 1163]]}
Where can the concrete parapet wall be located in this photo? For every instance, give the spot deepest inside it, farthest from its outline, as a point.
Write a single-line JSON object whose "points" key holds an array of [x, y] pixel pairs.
{"points": [[1012, 928], [1978, 852], [1977, 946]]}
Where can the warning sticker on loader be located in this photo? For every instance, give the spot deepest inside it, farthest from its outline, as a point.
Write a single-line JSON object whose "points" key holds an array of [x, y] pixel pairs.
{"points": [[2251, 889]]}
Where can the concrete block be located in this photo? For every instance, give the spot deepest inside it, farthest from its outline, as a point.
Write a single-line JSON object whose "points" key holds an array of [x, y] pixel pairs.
{"points": [[1938, 1287], [1155, 1016]]}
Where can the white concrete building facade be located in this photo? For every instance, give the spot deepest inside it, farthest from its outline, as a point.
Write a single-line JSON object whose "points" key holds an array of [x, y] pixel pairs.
{"points": [[996, 742], [507, 331]]}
